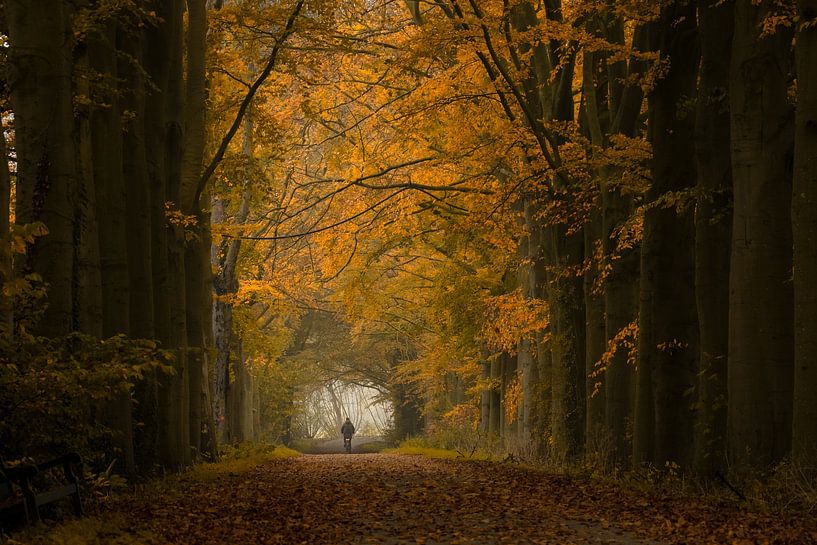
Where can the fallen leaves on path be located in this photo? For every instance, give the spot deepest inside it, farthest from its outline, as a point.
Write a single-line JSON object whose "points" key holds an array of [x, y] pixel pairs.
{"points": [[335, 499]]}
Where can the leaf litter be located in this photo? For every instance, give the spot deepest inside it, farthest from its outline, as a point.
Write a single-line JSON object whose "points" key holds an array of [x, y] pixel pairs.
{"points": [[392, 499]]}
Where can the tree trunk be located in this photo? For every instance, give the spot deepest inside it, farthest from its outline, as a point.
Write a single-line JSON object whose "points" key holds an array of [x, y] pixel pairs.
{"points": [[761, 300], [713, 231], [161, 50], [138, 214], [196, 267], [176, 249], [6, 307], [495, 416], [669, 323], [526, 358], [595, 342], [804, 229], [39, 80], [566, 303], [109, 184], [485, 400]]}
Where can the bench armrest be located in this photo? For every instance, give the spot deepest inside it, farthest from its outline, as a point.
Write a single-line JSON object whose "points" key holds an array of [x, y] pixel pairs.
{"points": [[19, 473], [65, 459]]}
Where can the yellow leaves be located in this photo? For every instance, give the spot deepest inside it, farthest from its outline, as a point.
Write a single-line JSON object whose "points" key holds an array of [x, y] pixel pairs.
{"points": [[673, 345], [23, 235], [176, 218], [514, 396], [781, 14], [30, 284], [625, 339], [511, 317]]}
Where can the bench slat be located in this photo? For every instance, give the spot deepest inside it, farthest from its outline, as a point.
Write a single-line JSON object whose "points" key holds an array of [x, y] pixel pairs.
{"points": [[58, 493]]}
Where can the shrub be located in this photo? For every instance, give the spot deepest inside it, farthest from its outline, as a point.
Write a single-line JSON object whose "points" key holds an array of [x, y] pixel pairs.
{"points": [[53, 391]]}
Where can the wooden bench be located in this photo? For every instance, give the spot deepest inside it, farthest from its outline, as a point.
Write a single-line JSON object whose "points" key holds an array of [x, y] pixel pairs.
{"points": [[15, 509]]}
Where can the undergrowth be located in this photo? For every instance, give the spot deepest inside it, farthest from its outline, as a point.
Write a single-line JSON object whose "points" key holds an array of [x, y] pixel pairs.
{"points": [[786, 488], [238, 459], [104, 527]]}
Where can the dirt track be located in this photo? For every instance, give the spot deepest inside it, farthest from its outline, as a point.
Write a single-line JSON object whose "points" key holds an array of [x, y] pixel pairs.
{"points": [[373, 498]]}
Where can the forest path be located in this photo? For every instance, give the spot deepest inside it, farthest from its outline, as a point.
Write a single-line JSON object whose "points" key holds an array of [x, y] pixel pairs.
{"points": [[387, 499], [335, 445], [394, 500]]}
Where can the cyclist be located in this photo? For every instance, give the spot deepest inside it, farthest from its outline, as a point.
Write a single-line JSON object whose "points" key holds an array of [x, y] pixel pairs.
{"points": [[348, 430]]}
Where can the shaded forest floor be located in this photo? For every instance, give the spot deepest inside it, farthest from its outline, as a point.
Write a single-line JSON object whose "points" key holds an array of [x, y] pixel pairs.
{"points": [[394, 499]]}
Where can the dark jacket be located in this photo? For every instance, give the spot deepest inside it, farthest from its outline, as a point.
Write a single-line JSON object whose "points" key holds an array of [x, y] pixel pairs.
{"points": [[347, 429]]}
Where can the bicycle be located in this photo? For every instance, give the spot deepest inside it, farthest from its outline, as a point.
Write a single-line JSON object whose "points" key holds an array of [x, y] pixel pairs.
{"points": [[347, 445]]}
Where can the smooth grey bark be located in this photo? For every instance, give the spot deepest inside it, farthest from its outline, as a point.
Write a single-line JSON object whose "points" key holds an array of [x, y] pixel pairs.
{"points": [[713, 231], [621, 285], [109, 186], [6, 309], [804, 229], [495, 414], [197, 268], [526, 357], [39, 79], [175, 149], [485, 400], [162, 49], [761, 303], [87, 274], [669, 352], [138, 217], [567, 337], [225, 284], [596, 337]]}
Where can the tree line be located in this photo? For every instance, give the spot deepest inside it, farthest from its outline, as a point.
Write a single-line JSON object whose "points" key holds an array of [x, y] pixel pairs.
{"points": [[681, 316], [590, 223], [653, 164]]}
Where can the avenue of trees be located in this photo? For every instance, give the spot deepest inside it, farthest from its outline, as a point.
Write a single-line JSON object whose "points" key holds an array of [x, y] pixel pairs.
{"points": [[582, 228]]}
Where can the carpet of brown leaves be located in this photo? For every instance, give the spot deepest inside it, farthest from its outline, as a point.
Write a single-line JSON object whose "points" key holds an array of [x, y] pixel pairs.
{"points": [[390, 499]]}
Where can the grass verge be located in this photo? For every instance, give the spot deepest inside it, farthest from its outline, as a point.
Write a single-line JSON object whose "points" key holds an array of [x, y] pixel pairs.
{"points": [[106, 527], [437, 453]]}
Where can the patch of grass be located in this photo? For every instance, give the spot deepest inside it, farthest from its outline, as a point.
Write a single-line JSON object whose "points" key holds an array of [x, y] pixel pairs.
{"points": [[428, 452], [372, 447], [240, 459], [114, 530], [304, 445], [431, 452]]}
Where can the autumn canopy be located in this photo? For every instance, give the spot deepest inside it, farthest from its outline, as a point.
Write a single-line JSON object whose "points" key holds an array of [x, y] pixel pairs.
{"points": [[572, 230]]}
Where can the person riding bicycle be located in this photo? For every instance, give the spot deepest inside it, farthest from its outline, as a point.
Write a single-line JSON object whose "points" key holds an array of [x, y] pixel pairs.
{"points": [[347, 430]]}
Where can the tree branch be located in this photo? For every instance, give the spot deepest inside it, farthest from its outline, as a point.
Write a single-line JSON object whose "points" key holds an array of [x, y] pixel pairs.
{"points": [[211, 168]]}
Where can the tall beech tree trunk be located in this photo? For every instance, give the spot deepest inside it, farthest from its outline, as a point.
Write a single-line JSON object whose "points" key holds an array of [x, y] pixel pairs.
{"points": [[713, 231], [760, 308], [174, 96], [39, 80], [804, 230], [485, 400], [611, 107], [158, 57], [668, 353], [109, 184], [195, 252], [566, 303], [529, 252], [138, 214], [6, 308], [495, 405], [621, 285], [595, 342], [87, 275]]}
